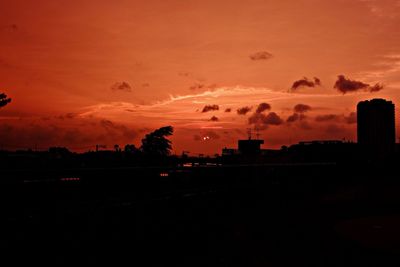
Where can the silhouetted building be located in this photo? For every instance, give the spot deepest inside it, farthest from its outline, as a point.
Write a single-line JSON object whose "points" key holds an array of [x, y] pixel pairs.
{"points": [[229, 151], [376, 126], [245, 148], [324, 151], [250, 146]]}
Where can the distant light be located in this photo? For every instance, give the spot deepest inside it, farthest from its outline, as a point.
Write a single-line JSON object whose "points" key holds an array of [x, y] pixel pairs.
{"points": [[164, 174], [206, 138]]}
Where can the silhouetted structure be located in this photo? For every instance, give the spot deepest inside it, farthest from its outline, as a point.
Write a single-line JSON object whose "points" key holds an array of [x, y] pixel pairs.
{"points": [[376, 126], [324, 151], [247, 147], [250, 146]]}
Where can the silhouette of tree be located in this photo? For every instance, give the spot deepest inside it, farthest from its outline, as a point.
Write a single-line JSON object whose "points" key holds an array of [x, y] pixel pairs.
{"points": [[117, 148], [4, 100], [156, 143], [130, 149]]}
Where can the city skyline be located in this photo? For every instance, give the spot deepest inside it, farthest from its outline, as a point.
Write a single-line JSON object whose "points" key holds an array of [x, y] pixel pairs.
{"points": [[80, 76]]}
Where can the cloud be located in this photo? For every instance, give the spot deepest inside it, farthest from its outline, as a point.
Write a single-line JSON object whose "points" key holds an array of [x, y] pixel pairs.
{"points": [[263, 107], [121, 86], [352, 118], [305, 82], [301, 108], [293, 118], [67, 116], [4, 100], [262, 55], [345, 85], [262, 121], [375, 88], [243, 110], [78, 134], [145, 84], [208, 108], [296, 117], [184, 74], [327, 117], [198, 86], [214, 118], [228, 110]]}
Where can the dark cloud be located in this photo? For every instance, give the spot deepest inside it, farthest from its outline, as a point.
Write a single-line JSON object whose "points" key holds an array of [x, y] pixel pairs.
{"points": [[228, 110], [121, 86], [199, 86], [243, 110], [262, 121], [208, 108], [184, 74], [117, 129], [293, 118], [67, 116], [352, 118], [345, 85], [262, 55], [327, 117], [214, 118], [301, 108], [4, 100], [375, 88], [263, 107], [75, 135], [305, 82], [296, 117]]}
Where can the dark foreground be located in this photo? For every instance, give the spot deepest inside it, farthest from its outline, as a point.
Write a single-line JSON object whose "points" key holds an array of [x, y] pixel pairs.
{"points": [[307, 215]]}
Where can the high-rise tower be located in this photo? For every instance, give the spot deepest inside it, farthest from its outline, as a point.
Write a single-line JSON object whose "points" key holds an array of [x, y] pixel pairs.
{"points": [[376, 125]]}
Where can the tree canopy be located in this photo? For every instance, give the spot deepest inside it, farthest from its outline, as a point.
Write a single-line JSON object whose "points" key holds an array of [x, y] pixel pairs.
{"points": [[156, 143], [4, 100]]}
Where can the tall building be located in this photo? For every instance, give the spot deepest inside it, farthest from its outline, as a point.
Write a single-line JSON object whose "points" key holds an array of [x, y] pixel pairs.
{"points": [[250, 146], [376, 125]]}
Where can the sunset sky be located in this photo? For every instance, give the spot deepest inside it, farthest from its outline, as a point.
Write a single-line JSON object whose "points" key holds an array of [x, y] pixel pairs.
{"points": [[82, 73]]}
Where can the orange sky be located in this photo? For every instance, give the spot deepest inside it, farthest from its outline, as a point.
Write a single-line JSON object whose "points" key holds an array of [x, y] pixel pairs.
{"points": [[106, 72]]}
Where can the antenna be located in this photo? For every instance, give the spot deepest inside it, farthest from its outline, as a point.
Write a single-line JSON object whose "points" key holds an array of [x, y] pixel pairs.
{"points": [[249, 133], [100, 146], [257, 132]]}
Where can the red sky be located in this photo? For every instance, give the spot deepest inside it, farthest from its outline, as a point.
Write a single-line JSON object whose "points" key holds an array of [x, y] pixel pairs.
{"points": [[82, 73]]}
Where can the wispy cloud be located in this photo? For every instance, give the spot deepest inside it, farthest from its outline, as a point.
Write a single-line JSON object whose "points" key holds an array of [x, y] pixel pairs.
{"points": [[261, 55]]}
